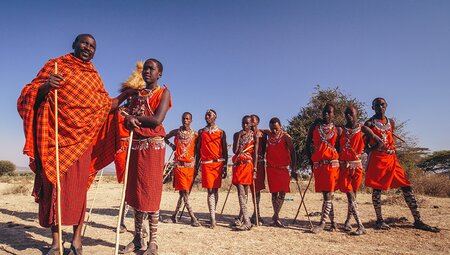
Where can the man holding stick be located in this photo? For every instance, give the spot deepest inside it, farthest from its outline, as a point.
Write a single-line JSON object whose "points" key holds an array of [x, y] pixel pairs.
{"points": [[83, 107], [184, 173]]}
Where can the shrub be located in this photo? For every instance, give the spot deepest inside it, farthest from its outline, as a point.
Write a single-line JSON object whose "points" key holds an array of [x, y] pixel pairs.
{"points": [[6, 167]]}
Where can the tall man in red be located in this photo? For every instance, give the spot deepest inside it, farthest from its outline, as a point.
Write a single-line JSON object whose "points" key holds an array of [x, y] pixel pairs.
{"points": [[384, 171], [147, 112], [213, 153], [83, 108], [320, 146], [244, 160], [184, 173], [280, 156]]}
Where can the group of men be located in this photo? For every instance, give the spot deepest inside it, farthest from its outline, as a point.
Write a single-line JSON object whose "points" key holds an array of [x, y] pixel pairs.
{"points": [[89, 140]]}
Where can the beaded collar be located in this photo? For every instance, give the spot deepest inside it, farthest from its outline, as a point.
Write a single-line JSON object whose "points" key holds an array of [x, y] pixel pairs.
{"points": [[274, 139], [211, 129]]}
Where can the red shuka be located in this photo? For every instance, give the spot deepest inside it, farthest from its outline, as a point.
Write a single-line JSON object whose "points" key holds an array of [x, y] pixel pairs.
{"points": [[184, 156], [211, 149], [351, 147], [243, 160], [278, 160]]}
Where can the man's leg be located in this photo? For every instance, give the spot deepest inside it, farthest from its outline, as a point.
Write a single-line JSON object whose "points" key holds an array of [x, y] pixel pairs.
{"points": [[326, 208], [347, 224], [194, 220], [332, 222], [153, 219], [174, 216], [138, 240], [376, 200], [279, 203], [253, 218], [242, 196], [212, 207], [410, 199]]}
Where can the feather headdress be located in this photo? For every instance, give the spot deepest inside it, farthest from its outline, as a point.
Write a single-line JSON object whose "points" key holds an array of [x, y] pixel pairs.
{"points": [[135, 80]]}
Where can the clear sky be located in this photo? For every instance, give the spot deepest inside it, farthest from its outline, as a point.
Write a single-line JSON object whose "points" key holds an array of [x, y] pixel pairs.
{"points": [[241, 57]]}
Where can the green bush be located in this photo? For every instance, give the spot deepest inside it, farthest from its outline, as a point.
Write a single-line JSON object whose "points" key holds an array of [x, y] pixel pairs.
{"points": [[6, 167]]}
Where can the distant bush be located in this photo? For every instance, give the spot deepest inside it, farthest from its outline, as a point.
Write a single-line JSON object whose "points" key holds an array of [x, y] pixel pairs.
{"points": [[430, 184], [6, 167]]}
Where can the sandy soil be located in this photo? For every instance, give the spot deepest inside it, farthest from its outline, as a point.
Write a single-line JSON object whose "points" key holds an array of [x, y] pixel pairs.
{"points": [[20, 232]]}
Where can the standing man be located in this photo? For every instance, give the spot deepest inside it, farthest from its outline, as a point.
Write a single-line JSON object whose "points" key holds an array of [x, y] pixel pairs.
{"points": [[244, 160], [184, 173], [280, 155], [147, 112], [384, 171], [213, 153], [320, 146], [259, 182], [83, 108]]}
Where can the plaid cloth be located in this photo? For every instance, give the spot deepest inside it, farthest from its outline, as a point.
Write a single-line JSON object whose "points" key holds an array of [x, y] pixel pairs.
{"points": [[83, 108]]}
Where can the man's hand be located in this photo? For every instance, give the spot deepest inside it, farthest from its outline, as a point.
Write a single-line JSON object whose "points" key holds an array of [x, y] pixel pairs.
{"points": [[224, 172], [254, 175], [131, 92], [131, 122], [379, 141], [294, 175], [54, 81]]}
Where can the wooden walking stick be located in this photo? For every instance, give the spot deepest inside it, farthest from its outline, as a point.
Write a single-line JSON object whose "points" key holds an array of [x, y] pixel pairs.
{"points": [[303, 198], [302, 202], [254, 203], [225, 202], [58, 178], [93, 202], [124, 190]]}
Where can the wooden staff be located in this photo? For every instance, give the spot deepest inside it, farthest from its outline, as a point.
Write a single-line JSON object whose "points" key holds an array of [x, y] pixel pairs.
{"points": [[93, 202], [124, 190], [254, 203], [302, 202], [58, 179], [225, 202], [303, 198]]}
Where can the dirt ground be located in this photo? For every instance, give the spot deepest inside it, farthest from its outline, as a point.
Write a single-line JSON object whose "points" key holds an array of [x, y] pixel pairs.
{"points": [[20, 232]]}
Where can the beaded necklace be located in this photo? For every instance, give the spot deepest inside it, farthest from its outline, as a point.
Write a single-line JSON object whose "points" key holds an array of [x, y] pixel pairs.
{"points": [[326, 132], [383, 128], [275, 139], [211, 129], [349, 132], [245, 139], [142, 101], [185, 137]]}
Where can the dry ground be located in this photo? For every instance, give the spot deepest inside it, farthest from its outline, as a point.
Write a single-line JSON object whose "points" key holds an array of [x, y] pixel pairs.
{"points": [[20, 232]]}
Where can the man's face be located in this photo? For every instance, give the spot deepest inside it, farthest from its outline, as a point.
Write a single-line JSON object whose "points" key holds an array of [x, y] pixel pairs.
{"points": [[84, 48], [254, 123], [186, 119], [328, 114], [350, 115], [274, 126], [379, 106], [246, 124], [150, 72], [210, 117]]}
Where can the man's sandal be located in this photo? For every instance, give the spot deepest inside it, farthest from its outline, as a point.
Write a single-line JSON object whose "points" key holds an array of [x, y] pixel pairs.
{"points": [[76, 251], [423, 226]]}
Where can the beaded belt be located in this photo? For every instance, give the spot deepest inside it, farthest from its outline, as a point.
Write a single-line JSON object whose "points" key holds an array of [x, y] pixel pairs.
{"points": [[333, 162], [185, 164], [387, 151], [156, 143], [355, 164], [280, 167], [213, 161], [242, 162]]}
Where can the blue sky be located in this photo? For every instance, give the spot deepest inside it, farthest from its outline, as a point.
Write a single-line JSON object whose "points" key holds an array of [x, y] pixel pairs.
{"points": [[242, 57]]}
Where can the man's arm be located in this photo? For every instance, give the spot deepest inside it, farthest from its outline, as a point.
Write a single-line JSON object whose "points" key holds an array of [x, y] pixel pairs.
{"points": [[198, 144], [122, 97], [224, 154], [160, 113], [293, 155], [170, 135]]}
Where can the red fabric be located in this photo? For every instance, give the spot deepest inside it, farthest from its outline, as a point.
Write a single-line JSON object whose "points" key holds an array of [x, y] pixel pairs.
{"points": [[83, 107], [211, 149], [243, 174], [145, 175], [183, 178], [73, 195], [384, 172], [212, 175], [321, 150], [260, 177], [326, 176], [350, 180], [120, 157], [185, 148], [278, 160]]}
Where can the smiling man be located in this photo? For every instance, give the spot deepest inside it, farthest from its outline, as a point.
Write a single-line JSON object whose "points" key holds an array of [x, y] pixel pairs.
{"points": [[83, 108]]}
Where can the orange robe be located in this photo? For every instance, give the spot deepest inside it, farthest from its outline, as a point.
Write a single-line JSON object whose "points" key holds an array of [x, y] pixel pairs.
{"points": [[326, 171], [261, 166], [243, 160], [84, 122], [211, 150], [144, 187], [184, 157], [278, 160], [351, 171], [383, 170]]}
